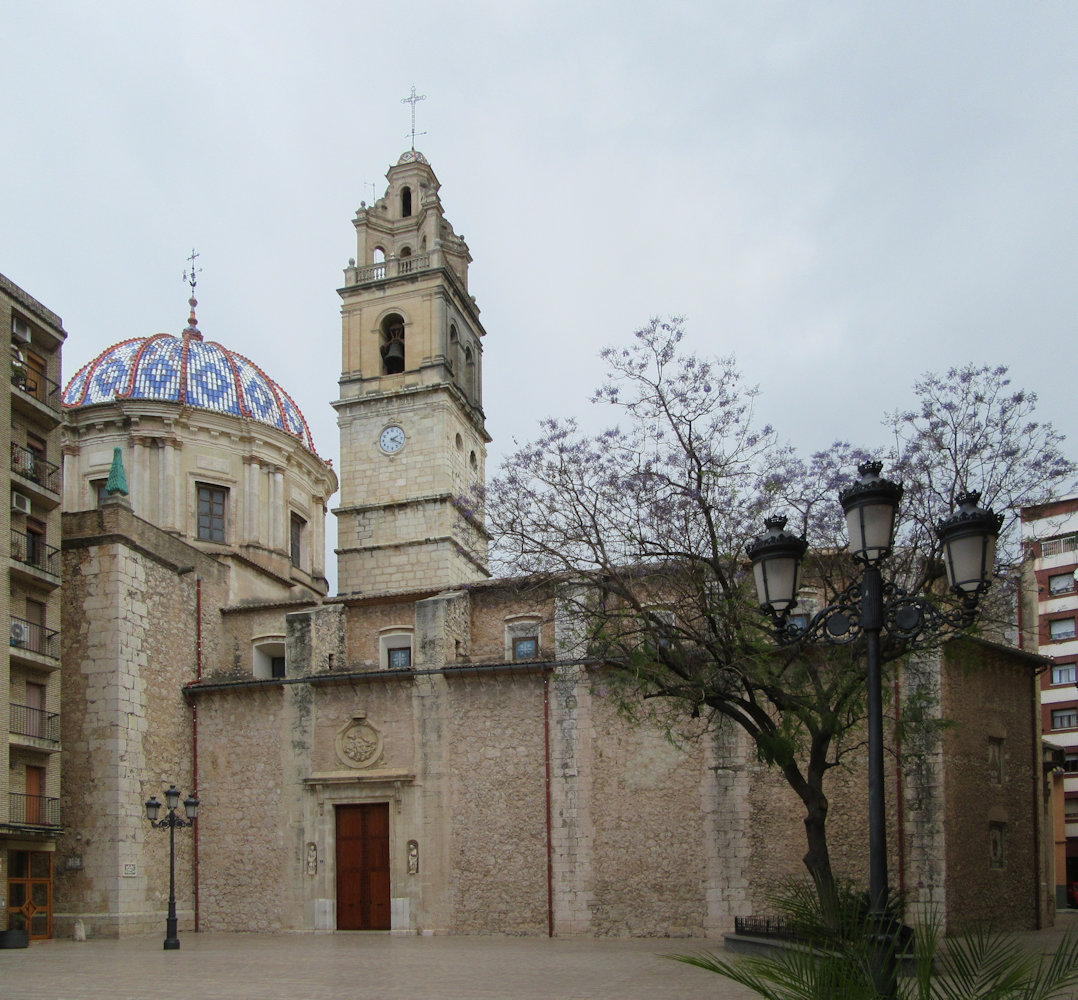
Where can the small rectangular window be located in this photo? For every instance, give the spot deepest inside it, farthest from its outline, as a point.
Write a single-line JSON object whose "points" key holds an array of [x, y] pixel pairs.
{"points": [[1065, 718], [277, 666], [297, 525], [1064, 673], [1060, 583], [1070, 808], [1061, 628], [98, 487], [399, 657], [997, 845], [526, 647], [1070, 764], [212, 512]]}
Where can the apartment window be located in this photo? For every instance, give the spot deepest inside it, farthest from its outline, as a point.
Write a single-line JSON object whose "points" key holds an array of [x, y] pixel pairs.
{"points": [[1060, 583], [212, 511], [1061, 628], [37, 458], [296, 526], [35, 543], [1065, 718], [1070, 808], [1063, 673], [526, 647], [1070, 764]]}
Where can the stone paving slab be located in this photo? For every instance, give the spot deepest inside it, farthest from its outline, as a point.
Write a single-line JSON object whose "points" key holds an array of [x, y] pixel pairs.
{"points": [[359, 966]]}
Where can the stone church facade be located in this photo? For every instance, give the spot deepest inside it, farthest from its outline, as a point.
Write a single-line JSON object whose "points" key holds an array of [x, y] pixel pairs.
{"points": [[428, 751]]}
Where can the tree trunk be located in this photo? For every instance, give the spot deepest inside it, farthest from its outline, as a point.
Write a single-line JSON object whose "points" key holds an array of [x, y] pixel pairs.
{"points": [[818, 858]]}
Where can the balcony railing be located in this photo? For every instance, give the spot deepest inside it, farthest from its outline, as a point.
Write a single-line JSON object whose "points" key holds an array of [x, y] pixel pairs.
{"points": [[29, 548], [32, 466], [1057, 546], [35, 722], [35, 638], [33, 810], [391, 268], [33, 383]]}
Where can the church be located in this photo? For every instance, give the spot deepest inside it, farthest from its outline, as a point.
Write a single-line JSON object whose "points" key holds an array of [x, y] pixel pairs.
{"points": [[428, 751]]}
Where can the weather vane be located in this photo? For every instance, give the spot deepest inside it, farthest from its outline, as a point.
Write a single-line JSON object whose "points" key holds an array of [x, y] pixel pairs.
{"points": [[413, 99], [192, 278]]}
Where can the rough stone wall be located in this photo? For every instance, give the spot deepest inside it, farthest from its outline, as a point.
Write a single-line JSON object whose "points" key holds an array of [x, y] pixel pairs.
{"points": [[991, 774], [364, 624], [925, 792], [129, 645], [498, 804], [238, 627], [727, 809], [493, 606], [250, 855], [649, 863]]}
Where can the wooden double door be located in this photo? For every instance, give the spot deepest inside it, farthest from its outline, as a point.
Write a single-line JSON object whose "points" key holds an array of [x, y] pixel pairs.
{"points": [[363, 867]]}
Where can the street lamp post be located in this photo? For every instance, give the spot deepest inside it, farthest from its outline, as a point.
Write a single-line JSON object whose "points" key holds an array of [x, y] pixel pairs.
{"points": [[870, 608], [170, 822]]}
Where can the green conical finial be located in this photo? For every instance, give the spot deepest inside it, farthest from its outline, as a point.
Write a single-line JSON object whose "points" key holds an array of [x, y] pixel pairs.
{"points": [[117, 479]]}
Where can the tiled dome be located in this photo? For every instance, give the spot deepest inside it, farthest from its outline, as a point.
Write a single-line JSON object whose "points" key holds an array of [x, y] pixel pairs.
{"points": [[189, 371]]}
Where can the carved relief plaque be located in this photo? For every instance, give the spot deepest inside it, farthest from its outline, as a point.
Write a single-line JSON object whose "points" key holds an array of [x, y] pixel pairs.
{"points": [[359, 744]]}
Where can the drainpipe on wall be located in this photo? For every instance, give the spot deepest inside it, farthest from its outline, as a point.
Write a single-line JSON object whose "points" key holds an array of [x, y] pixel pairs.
{"points": [[549, 824]]}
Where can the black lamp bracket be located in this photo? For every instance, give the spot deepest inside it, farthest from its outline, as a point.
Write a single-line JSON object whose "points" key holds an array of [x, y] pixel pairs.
{"points": [[912, 621]]}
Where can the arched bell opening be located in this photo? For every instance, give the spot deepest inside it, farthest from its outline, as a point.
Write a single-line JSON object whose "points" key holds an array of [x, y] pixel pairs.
{"points": [[393, 344]]}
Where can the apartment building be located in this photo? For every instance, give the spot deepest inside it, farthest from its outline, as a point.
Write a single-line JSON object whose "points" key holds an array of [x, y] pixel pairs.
{"points": [[1050, 606], [30, 604]]}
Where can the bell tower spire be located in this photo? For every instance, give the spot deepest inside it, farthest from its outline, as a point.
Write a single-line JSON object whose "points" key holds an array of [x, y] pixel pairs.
{"points": [[410, 412]]}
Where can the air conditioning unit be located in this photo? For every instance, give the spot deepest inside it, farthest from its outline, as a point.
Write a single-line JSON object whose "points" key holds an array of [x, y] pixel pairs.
{"points": [[20, 330], [20, 504], [20, 633]]}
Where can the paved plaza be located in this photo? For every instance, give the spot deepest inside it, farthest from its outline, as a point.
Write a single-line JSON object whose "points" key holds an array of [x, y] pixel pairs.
{"points": [[358, 966]]}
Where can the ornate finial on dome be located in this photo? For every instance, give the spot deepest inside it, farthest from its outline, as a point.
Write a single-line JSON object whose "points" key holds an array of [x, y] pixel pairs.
{"points": [[413, 99], [192, 330]]}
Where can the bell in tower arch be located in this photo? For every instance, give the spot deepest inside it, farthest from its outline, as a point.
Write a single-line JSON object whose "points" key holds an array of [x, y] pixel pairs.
{"points": [[393, 345]]}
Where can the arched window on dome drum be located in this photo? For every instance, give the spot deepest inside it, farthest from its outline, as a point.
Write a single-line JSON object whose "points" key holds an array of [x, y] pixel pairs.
{"points": [[406, 202], [406, 251], [392, 344]]}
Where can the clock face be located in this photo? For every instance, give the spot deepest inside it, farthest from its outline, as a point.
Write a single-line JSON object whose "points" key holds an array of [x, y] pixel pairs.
{"points": [[391, 440]]}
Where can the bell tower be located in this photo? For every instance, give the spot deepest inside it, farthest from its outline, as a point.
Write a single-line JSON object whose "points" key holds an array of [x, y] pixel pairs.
{"points": [[410, 411]]}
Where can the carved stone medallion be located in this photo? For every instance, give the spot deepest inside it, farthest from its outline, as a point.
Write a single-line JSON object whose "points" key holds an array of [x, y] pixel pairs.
{"points": [[359, 744]]}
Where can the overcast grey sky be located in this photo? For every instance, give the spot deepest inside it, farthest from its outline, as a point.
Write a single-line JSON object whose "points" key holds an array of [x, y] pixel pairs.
{"points": [[843, 195]]}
